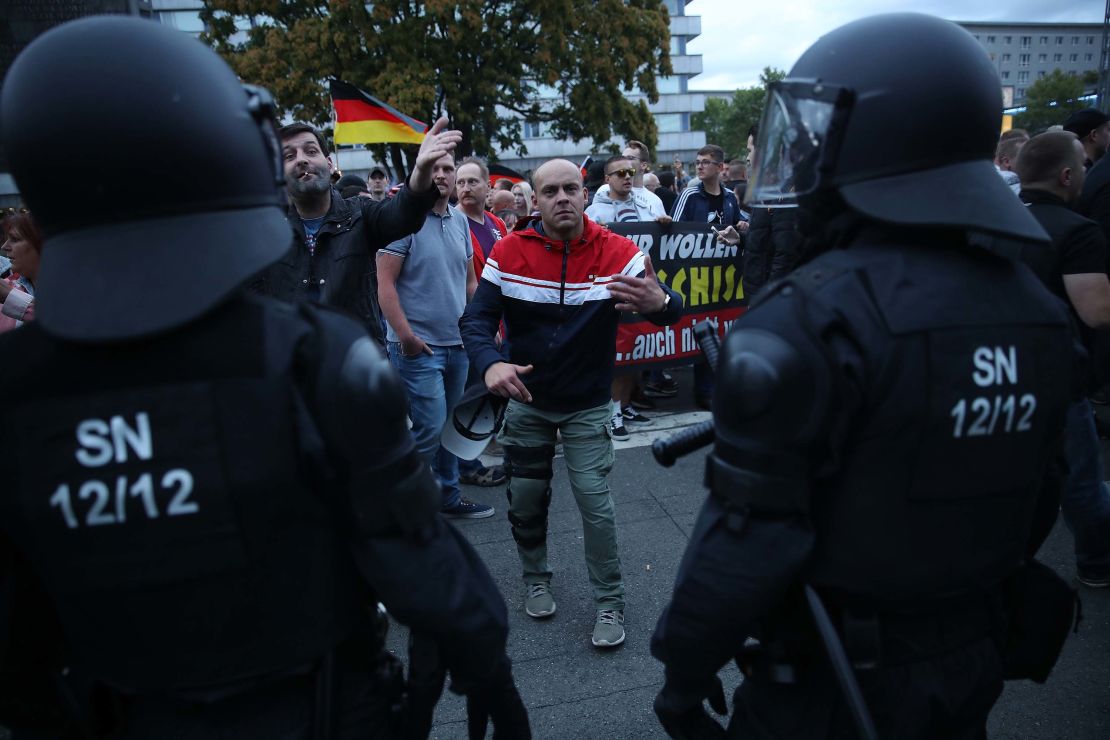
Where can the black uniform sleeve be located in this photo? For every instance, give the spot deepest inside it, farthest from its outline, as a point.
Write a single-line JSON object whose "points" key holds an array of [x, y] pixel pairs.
{"points": [[787, 242], [397, 217], [776, 397], [425, 573], [728, 579]]}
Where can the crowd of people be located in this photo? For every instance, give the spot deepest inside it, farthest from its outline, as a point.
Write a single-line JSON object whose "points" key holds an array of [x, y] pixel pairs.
{"points": [[349, 326]]}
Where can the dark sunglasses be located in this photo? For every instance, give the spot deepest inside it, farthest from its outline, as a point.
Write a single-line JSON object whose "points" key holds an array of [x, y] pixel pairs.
{"points": [[627, 172]]}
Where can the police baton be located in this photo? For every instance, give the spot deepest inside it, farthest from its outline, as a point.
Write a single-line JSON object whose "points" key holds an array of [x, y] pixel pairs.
{"points": [[842, 667], [667, 451]]}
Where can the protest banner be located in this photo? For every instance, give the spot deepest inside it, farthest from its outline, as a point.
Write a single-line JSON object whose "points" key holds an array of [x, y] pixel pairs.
{"points": [[706, 272]]}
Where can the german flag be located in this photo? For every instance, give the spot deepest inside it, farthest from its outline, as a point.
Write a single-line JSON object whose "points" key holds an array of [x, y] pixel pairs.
{"points": [[363, 119], [501, 172]]}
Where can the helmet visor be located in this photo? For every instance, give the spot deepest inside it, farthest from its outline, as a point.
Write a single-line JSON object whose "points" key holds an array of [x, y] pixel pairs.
{"points": [[793, 135]]}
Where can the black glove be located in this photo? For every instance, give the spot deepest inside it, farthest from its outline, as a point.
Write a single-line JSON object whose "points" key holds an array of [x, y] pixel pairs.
{"points": [[691, 722], [425, 685], [499, 701]]}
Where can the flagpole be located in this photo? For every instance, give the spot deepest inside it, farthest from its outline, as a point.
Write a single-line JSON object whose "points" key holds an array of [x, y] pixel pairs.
{"points": [[334, 143]]}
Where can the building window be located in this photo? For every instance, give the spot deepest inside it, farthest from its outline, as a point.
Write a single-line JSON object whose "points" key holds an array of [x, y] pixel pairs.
{"points": [[1090, 40], [1020, 93], [1023, 60], [1088, 57], [182, 20], [1005, 74], [1042, 57], [1041, 74], [990, 39], [1044, 39], [1025, 41], [1057, 57], [1075, 41], [1073, 57], [535, 130], [668, 85], [1023, 76], [1007, 39], [1059, 39], [668, 123], [1005, 58]]}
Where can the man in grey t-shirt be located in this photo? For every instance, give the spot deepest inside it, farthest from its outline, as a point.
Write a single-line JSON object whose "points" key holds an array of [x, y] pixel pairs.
{"points": [[424, 282]]}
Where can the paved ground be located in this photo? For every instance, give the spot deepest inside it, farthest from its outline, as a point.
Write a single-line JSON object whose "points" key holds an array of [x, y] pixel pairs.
{"points": [[574, 691]]}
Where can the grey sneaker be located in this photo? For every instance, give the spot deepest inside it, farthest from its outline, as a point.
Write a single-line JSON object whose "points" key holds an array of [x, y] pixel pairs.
{"points": [[539, 603], [609, 630]]}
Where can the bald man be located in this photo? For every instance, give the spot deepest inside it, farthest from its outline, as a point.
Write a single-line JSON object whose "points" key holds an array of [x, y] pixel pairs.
{"points": [[561, 281]]}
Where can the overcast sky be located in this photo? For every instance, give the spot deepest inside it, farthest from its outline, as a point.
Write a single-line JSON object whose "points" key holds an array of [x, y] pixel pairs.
{"points": [[739, 39]]}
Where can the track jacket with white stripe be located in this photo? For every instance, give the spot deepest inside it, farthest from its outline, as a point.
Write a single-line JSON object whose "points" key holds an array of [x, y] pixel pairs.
{"points": [[561, 319]]}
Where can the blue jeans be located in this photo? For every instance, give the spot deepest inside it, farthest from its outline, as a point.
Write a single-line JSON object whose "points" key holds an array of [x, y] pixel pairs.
{"points": [[1086, 500], [435, 384]]}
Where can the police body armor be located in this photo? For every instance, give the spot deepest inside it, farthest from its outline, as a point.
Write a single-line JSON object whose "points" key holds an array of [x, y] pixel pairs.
{"points": [[166, 500], [957, 365]]}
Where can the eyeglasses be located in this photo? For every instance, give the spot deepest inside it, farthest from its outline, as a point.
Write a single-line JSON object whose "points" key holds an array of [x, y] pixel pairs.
{"points": [[626, 172], [705, 162]]}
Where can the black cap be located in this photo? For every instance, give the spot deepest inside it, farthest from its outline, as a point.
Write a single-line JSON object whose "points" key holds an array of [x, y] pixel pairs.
{"points": [[1083, 122], [180, 168], [378, 170], [348, 180]]}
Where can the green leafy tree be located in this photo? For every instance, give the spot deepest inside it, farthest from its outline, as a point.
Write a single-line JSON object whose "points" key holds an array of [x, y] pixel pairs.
{"points": [[726, 122], [1050, 100], [488, 64]]}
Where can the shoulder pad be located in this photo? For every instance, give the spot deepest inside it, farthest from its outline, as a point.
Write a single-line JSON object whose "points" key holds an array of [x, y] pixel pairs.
{"points": [[368, 389], [768, 400], [766, 387], [357, 397]]}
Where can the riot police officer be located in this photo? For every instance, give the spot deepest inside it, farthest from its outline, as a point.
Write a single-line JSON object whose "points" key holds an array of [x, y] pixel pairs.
{"points": [[885, 415], [211, 491]]}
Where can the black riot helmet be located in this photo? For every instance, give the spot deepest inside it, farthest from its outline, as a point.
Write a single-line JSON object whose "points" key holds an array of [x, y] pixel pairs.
{"points": [[898, 114], [176, 168]]}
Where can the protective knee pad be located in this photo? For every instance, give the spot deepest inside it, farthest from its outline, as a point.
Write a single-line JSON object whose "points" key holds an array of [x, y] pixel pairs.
{"points": [[530, 531], [530, 462]]}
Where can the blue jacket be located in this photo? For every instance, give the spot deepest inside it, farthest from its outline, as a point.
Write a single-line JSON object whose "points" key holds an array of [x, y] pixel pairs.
{"points": [[693, 205]]}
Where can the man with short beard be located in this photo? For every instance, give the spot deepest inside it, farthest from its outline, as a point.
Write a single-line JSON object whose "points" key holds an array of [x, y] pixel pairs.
{"points": [[424, 281], [335, 239]]}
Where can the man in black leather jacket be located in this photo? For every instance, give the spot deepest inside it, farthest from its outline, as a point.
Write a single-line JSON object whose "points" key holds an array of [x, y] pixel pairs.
{"points": [[335, 239]]}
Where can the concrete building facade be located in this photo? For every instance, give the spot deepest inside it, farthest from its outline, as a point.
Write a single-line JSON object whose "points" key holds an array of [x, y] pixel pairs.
{"points": [[1026, 52]]}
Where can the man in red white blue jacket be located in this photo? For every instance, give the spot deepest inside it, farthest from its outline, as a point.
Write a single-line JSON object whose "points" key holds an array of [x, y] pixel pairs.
{"points": [[560, 281]]}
